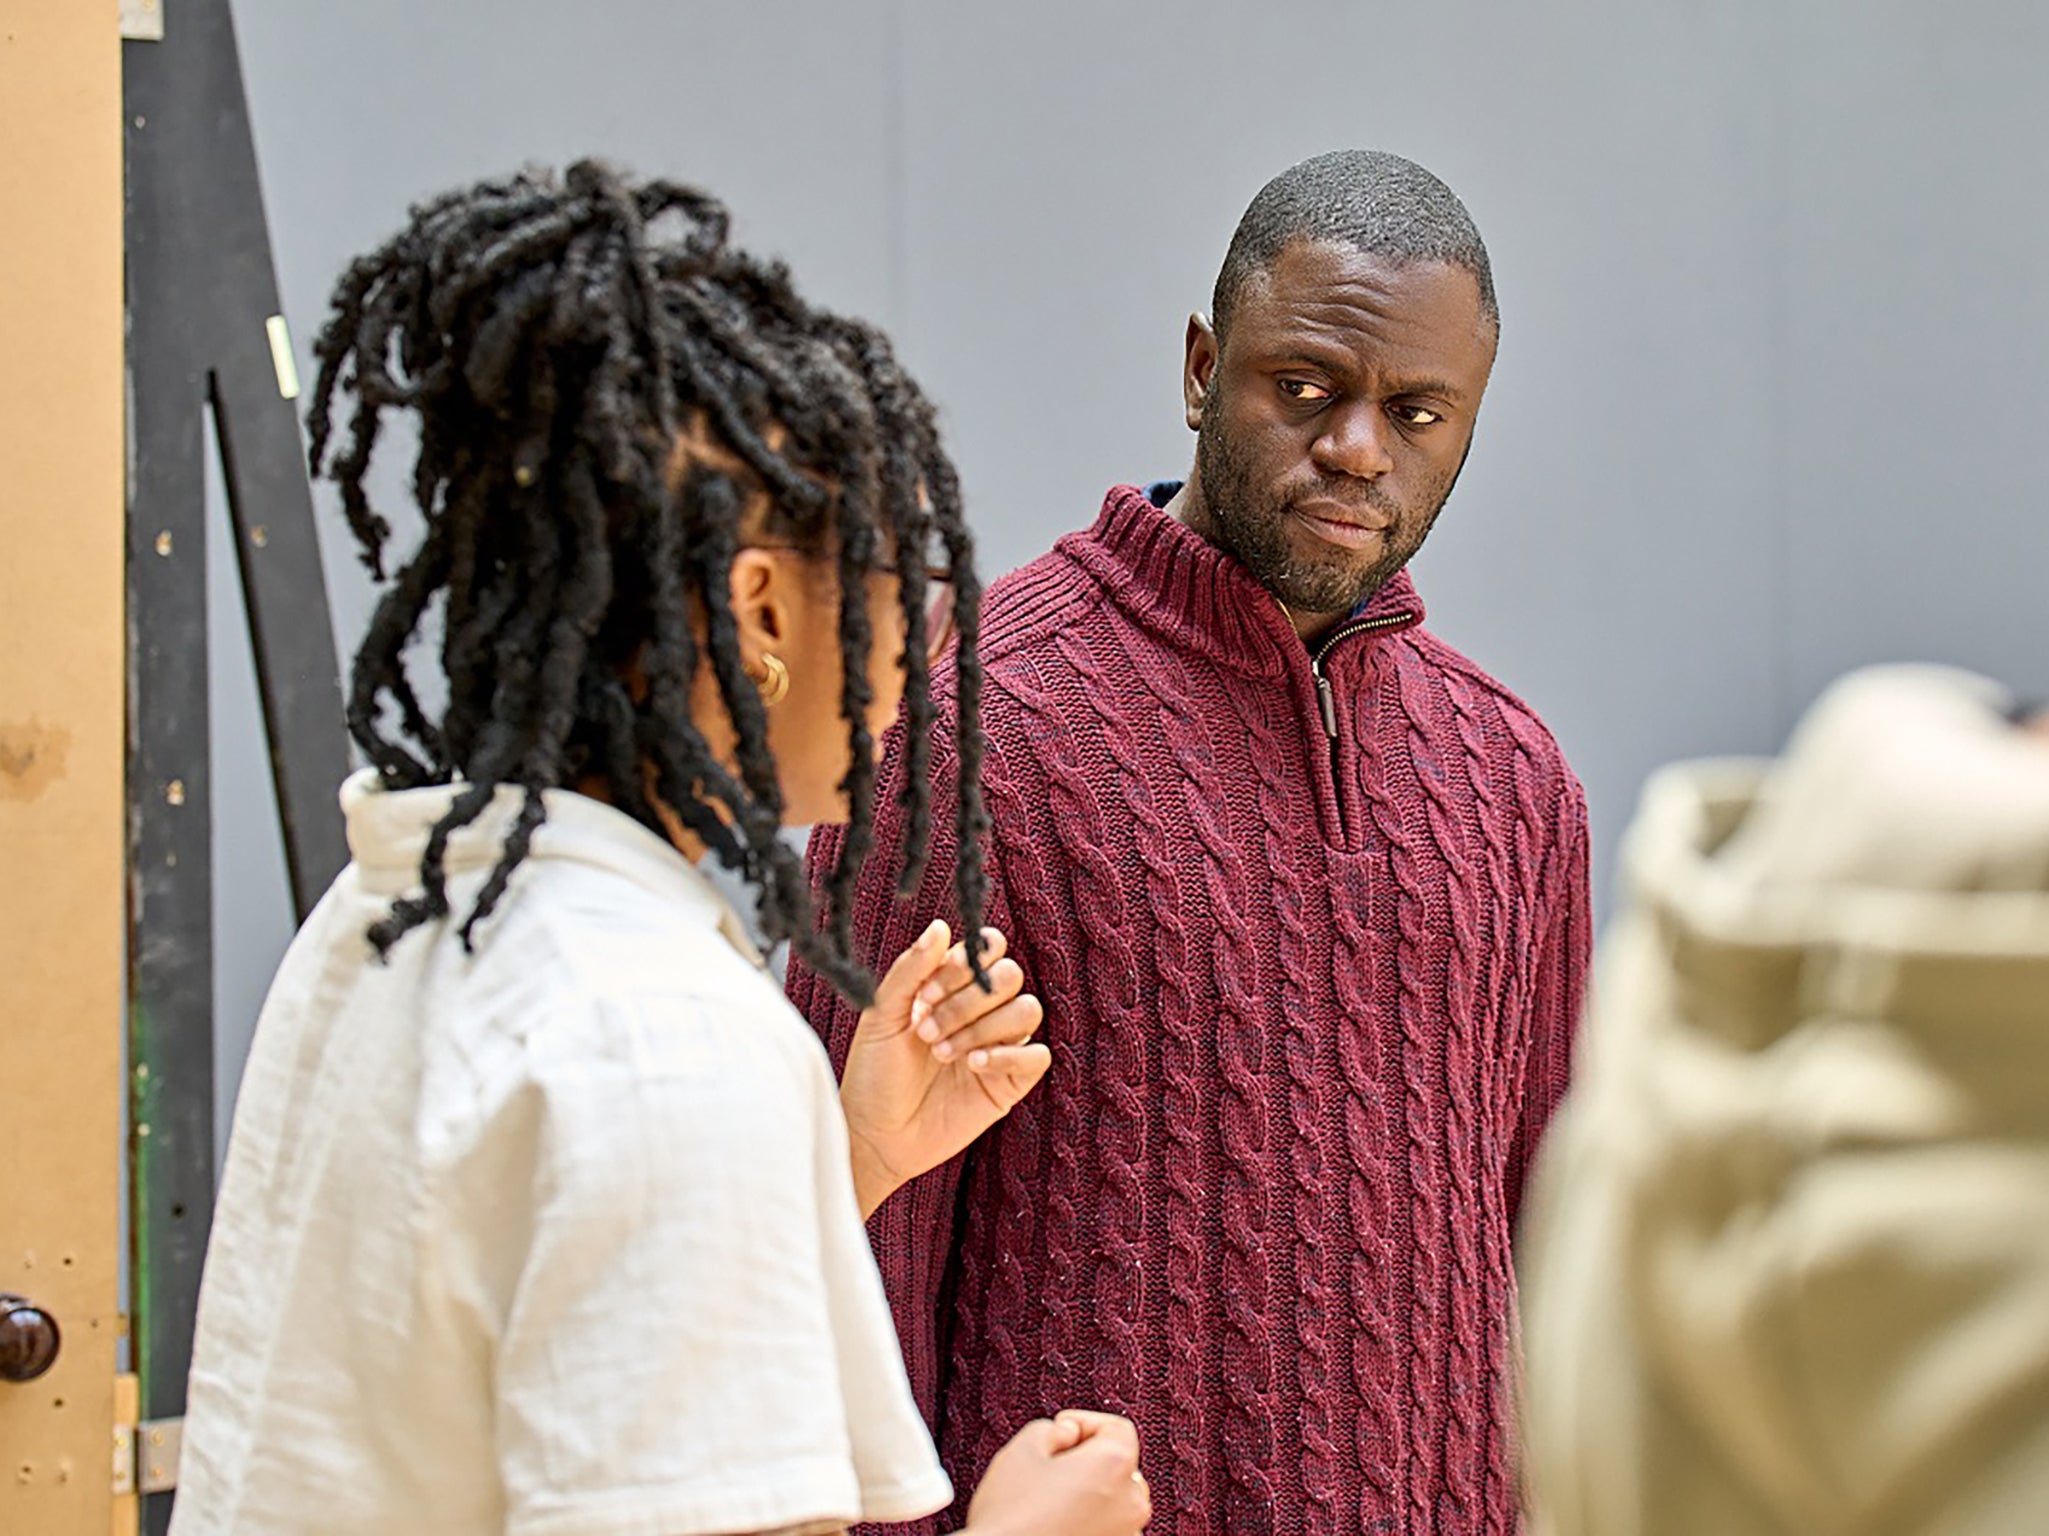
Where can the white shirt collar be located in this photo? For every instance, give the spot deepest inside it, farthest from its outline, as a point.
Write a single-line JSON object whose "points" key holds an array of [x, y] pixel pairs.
{"points": [[388, 832]]}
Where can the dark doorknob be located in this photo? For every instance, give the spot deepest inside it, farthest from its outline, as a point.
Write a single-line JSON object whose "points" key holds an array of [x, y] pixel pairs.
{"points": [[29, 1339]]}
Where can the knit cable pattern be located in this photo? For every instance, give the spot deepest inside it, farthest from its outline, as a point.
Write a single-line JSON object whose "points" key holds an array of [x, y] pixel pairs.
{"points": [[1417, 1021], [1303, 1053], [1263, 1200], [1247, 1364], [1465, 1381]]}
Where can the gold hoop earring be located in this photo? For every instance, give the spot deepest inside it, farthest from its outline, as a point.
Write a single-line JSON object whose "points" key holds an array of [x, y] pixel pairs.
{"points": [[774, 681]]}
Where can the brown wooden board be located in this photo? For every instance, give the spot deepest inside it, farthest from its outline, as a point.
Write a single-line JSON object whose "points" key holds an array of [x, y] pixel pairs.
{"points": [[60, 747]]}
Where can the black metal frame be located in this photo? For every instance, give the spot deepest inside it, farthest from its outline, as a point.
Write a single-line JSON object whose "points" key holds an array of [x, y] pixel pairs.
{"points": [[201, 291]]}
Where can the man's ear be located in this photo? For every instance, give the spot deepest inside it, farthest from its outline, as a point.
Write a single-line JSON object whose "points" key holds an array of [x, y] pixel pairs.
{"points": [[762, 599], [1198, 368]]}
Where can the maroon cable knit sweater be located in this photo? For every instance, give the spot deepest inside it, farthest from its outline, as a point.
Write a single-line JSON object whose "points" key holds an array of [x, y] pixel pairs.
{"points": [[1310, 967]]}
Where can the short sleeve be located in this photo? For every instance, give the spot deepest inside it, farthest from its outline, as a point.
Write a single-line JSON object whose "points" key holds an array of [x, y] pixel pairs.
{"points": [[694, 1337]]}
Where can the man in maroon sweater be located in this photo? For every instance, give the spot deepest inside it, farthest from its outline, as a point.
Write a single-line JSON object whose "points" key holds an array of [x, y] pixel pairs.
{"points": [[1304, 893]]}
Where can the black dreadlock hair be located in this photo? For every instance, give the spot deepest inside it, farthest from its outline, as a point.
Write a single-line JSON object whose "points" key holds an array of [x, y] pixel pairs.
{"points": [[564, 342]]}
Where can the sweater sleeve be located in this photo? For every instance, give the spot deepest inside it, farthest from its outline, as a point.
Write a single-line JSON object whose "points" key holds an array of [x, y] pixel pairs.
{"points": [[913, 1232], [1558, 991]]}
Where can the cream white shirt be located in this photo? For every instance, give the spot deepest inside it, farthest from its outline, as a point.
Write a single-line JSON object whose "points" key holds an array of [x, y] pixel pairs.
{"points": [[559, 1237]]}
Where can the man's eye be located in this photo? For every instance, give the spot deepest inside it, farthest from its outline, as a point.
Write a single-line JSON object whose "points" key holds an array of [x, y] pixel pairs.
{"points": [[1302, 389], [1418, 415]]}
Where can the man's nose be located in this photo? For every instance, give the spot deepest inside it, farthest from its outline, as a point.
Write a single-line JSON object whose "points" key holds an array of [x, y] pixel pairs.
{"points": [[1354, 443]]}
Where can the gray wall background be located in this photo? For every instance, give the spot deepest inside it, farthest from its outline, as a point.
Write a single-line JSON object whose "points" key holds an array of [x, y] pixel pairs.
{"points": [[1776, 346]]}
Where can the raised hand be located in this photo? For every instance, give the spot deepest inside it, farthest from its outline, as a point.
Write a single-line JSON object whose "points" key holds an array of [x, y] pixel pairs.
{"points": [[936, 1061]]}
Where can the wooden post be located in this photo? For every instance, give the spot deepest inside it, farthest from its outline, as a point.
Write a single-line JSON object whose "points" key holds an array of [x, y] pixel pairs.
{"points": [[62, 646]]}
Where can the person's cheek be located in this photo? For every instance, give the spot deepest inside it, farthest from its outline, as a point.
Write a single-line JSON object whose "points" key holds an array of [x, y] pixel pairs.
{"points": [[882, 711], [889, 707]]}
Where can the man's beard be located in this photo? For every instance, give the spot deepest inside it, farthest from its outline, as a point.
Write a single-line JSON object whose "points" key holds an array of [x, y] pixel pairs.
{"points": [[1253, 525]]}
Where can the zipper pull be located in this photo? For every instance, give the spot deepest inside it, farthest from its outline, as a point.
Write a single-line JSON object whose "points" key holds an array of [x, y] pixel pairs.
{"points": [[1327, 705]]}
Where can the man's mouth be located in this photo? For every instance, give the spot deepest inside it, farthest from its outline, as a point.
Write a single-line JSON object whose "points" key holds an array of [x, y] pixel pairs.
{"points": [[1339, 525]]}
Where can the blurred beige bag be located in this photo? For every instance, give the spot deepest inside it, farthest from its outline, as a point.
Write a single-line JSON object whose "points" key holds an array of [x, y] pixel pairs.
{"points": [[1787, 1260]]}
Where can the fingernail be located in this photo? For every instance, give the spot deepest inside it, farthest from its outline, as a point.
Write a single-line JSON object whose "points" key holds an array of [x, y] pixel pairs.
{"points": [[978, 1059], [943, 1051], [928, 1031], [930, 994]]}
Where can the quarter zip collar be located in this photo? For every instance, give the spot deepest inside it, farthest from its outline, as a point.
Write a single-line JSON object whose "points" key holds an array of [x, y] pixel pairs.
{"points": [[1174, 581], [1364, 622]]}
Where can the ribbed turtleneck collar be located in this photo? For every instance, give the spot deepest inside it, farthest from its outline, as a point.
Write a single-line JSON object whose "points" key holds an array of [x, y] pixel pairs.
{"points": [[1173, 580]]}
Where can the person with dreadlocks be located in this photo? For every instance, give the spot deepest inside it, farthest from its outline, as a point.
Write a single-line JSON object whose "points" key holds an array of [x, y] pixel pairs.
{"points": [[1305, 892], [541, 1213]]}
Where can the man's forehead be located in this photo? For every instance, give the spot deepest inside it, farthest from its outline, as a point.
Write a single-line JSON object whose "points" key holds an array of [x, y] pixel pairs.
{"points": [[1344, 297], [1328, 271]]}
